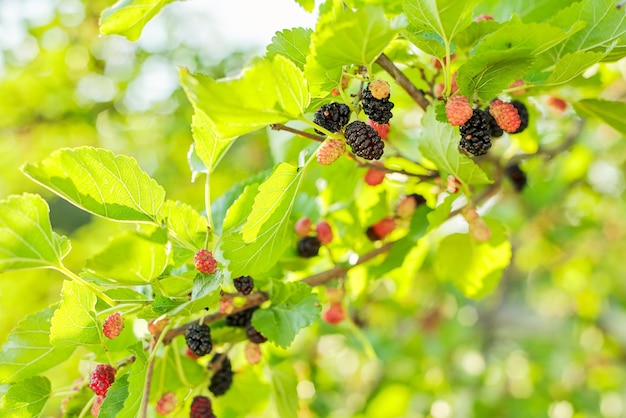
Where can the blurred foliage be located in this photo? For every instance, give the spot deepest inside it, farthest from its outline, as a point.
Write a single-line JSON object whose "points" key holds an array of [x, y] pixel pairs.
{"points": [[550, 341]]}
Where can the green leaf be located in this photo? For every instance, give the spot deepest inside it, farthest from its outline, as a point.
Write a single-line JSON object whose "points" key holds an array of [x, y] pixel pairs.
{"points": [[293, 44], [74, 321], [535, 37], [184, 223], [132, 258], [128, 17], [100, 182], [491, 72], [612, 113], [116, 396], [307, 5], [272, 91], [283, 381], [321, 80], [439, 142], [475, 32], [28, 351], [441, 212], [477, 266], [293, 307], [353, 37], [429, 42], [205, 294], [26, 237], [572, 65], [605, 24], [136, 383], [207, 145], [26, 399], [446, 18], [258, 244]]}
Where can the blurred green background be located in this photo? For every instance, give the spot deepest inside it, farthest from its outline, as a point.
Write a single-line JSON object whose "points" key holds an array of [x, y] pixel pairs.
{"points": [[549, 342]]}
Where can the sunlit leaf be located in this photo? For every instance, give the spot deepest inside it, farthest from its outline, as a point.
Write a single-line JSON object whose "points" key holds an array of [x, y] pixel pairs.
{"points": [[187, 226], [100, 182], [26, 237], [610, 112], [572, 65], [293, 44], [74, 322], [283, 381], [116, 396], [28, 351], [128, 17], [26, 399], [446, 18], [136, 383]]}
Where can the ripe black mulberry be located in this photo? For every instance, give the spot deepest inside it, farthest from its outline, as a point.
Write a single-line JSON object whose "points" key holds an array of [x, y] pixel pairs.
{"points": [[475, 134], [333, 117], [309, 247], [364, 140], [198, 338], [222, 379], [378, 109], [240, 319]]}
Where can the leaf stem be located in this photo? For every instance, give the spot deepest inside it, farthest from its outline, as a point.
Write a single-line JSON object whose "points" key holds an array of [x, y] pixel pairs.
{"points": [[207, 201], [69, 273], [281, 127]]}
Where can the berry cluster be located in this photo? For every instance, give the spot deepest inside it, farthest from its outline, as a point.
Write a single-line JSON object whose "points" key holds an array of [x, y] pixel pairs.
{"points": [[309, 245], [204, 262], [375, 101], [102, 378], [113, 325], [198, 338], [244, 284], [476, 134], [222, 378], [201, 407], [332, 117], [364, 140]]}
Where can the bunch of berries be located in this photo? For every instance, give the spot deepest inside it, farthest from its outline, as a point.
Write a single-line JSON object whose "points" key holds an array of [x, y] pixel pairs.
{"points": [[309, 245]]}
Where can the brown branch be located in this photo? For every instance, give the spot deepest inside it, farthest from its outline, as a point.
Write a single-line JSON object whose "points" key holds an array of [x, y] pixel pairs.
{"points": [[146, 390], [416, 94], [569, 141], [281, 127], [431, 173]]}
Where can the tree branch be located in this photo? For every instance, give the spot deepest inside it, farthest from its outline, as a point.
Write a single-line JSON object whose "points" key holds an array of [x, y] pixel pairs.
{"points": [[416, 94], [281, 127]]}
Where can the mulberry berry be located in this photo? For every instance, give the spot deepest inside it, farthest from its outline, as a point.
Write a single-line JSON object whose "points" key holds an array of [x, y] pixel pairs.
{"points": [[201, 408], [222, 379], [374, 177], [254, 335], [381, 229], [517, 176], [324, 232], [303, 226], [495, 130], [505, 114], [334, 314], [244, 284], [332, 117], [522, 111], [102, 378], [364, 140], [166, 403], [198, 338], [475, 134], [381, 128], [204, 262], [330, 151], [309, 247], [241, 318], [113, 325], [458, 110], [375, 104]]}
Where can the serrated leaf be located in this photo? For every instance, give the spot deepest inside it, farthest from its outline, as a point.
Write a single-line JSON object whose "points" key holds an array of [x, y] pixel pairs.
{"points": [[477, 266], [205, 294], [353, 37], [293, 307], [307, 5], [28, 351], [283, 381], [264, 236], [26, 399], [116, 396], [208, 146], [605, 24], [446, 18], [429, 42], [26, 236], [271, 91], [132, 258], [439, 142], [293, 44], [535, 37], [100, 182], [610, 112], [136, 383], [491, 72], [74, 321], [128, 17], [187, 226], [572, 65]]}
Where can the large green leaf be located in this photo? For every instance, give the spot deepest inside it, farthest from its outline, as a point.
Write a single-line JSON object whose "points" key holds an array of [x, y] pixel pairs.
{"points": [[132, 258], [353, 37], [446, 18], [610, 112], [491, 72], [262, 238], [570, 66], [136, 383], [116, 396], [293, 307], [321, 80], [74, 321], [535, 37], [283, 381], [128, 17], [184, 223], [100, 182], [439, 142], [271, 91], [293, 44], [28, 351], [26, 237], [477, 266], [26, 399], [209, 147]]}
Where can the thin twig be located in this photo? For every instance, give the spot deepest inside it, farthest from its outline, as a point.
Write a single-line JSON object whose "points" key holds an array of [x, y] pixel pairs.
{"points": [[569, 141], [146, 390], [281, 127], [416, 94]]}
